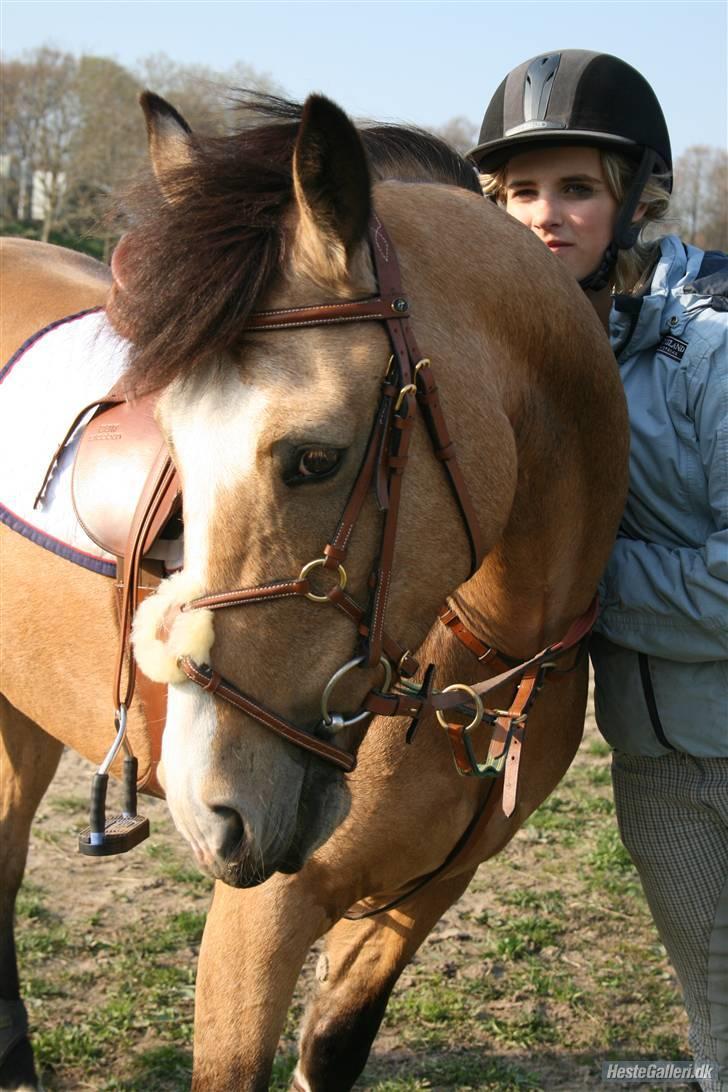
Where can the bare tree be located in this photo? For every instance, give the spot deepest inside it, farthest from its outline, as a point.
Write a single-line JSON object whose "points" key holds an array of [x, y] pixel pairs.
{"points": [[460, 133], [109, 143], [715, 221], [72, 131], [13, 137], [41, 119], [202, 95], [701, 196]]}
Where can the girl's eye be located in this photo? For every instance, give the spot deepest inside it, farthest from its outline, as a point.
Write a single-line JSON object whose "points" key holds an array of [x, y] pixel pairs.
{"points": [[523, 194], [579, 189], [315, 462]]}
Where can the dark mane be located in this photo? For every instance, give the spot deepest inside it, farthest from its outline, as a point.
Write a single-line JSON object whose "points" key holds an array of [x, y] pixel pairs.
{"points": [[198, 264], [414, 155]]}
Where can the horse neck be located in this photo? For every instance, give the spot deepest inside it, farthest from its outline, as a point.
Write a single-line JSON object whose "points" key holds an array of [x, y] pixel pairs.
{"points": [[543, 570], [534, 404]]}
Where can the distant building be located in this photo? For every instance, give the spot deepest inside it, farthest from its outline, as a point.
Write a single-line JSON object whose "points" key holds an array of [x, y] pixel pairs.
{"points": [[47, 190], [26, 194]]}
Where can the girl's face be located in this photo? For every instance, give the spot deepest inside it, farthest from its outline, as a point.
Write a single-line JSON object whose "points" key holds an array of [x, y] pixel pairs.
{"points": [[562, 195]]}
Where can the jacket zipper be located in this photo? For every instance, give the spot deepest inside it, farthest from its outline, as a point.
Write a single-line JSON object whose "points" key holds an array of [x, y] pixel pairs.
{"points": [[649, 693], [632, 306]]}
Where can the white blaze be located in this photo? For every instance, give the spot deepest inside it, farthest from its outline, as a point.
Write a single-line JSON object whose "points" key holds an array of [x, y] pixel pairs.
{"points": [[215, 431]]}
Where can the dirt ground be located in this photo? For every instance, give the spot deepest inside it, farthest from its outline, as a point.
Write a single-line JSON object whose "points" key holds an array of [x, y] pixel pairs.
{"points": [[548, 964]]}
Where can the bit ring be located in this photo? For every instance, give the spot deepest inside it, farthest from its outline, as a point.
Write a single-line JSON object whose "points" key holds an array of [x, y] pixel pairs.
{"points": [[333, 718]]}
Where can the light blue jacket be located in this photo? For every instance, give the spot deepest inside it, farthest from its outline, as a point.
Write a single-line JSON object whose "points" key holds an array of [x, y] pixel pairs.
{"points": [[660, 649]]}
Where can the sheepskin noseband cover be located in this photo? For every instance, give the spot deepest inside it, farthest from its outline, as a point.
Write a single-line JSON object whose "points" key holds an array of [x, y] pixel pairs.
{"points": [[162, 633]]}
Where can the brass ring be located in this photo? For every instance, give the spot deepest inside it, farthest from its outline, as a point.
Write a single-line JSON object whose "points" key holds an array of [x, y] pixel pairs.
{"points": [[409, 389], [478, 706], [424, 363], [317, 564]]}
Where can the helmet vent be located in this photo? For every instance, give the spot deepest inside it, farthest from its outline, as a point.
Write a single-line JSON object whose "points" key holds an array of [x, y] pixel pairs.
{"points": [[538, 86]]}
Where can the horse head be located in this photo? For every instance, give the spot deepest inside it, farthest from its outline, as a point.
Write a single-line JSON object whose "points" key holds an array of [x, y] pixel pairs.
{"points": [[269, 429]]}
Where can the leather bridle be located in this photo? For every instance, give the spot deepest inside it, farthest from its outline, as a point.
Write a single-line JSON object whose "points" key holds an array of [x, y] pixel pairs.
{"points": [[409, 385]]}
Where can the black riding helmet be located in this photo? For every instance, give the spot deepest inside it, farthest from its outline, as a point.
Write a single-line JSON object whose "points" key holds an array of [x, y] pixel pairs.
{"points": [[578, 97]]}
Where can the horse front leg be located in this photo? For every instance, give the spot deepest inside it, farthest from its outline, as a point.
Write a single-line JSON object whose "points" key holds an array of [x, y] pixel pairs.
{"points": [[253, 948], [362, 961], [28, 761]]}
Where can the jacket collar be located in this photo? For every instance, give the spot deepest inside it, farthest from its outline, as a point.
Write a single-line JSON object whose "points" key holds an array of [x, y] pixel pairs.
{"points": [[640, 322]]}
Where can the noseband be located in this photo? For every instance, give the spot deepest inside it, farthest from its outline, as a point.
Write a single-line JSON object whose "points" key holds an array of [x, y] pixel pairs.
{"points": [[409, 385]]}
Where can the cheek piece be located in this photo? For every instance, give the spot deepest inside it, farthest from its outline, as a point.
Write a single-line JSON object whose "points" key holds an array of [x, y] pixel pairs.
{"points": [[625, 230]]}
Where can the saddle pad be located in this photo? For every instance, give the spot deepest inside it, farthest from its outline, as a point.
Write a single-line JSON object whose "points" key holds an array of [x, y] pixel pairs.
{"points": [[58, 371]]}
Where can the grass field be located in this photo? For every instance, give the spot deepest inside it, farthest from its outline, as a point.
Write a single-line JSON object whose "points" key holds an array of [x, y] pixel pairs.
{"points": [[547, 966]]}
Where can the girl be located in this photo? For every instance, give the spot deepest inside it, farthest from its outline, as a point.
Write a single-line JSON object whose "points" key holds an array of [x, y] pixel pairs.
{"points": [[574, 145]]}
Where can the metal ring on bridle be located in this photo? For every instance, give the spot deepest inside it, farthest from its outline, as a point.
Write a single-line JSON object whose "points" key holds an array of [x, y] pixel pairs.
{"points": [[328, 719], [424, 363], [478, 705], [317, 564]]}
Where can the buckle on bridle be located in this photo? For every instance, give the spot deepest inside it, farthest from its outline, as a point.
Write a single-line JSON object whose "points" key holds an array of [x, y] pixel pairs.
{"points": [[409, 388]]}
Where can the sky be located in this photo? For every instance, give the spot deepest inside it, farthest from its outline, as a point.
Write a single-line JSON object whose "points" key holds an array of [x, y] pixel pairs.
{"points": [[417, 61]]}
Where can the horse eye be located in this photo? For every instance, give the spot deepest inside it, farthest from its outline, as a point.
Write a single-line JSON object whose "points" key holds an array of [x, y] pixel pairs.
{"points": [[316, 462]]}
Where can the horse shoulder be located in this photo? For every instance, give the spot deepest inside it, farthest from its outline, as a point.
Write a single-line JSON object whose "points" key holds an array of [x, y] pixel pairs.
{"points": [[40, 283]]}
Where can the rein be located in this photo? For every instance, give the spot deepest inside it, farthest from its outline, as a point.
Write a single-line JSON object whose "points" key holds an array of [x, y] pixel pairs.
{"points": [[409, 385]]}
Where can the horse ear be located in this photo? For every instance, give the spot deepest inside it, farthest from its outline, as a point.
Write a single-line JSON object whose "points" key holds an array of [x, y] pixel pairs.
{"points": [[120, 262], [331, 183], [169, 139]]}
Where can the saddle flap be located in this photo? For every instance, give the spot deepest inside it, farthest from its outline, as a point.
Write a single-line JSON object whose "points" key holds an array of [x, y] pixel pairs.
{"points": [[119, 448]]}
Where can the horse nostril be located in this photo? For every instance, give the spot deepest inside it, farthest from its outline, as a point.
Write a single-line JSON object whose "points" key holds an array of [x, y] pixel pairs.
{"points": [[232, 834]]}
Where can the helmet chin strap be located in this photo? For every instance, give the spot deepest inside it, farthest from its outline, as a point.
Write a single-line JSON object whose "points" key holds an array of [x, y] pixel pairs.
{"points": [[625, 230]]}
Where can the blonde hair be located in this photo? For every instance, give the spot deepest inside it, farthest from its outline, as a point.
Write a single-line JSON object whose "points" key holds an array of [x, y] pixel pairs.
{"points": [[633, 267]]}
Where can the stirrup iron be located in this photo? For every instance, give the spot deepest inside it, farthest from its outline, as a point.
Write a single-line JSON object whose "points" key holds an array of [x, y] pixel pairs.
{"points": [[119, 833]]}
